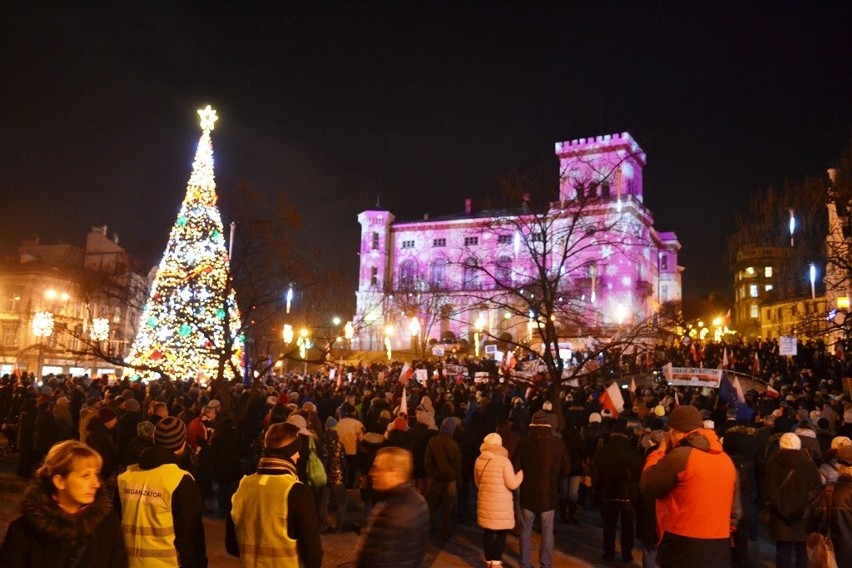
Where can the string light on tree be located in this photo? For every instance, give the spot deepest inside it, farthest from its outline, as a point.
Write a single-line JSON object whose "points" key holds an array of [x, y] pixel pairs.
{"points": [[183, 322]]}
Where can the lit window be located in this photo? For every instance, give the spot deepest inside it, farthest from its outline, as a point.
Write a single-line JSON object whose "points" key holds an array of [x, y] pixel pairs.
{"points": [[767, 272], [750, 271], [752, 290], [767, 288], [755, 311]]}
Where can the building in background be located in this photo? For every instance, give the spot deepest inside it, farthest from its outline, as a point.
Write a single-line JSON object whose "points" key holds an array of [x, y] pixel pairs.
{"points": [[450, 278], [60, 303]]}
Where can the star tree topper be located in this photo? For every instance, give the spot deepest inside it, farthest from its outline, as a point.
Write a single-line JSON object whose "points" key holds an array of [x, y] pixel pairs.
{"points": [[208, 118]]}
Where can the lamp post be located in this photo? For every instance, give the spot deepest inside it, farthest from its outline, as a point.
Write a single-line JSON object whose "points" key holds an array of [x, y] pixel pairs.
{"points": [[792, 228], [414, 327], [812, 277], [304, 344], [479, 325], [42, 327], [288, 340], [388, 334]]}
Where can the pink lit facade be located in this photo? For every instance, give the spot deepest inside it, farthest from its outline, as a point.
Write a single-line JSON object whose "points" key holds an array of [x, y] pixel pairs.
{"points": [[458, 267]]}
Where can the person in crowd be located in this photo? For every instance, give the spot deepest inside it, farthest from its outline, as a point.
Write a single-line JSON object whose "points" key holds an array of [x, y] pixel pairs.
{"points": [[64, 421], [143, 440], [273, 513], [742, 445], [350, 431], [101, 438], [793, 485], [87, 412], [543, 458], [495, 479], [836, 514], [828, 470], [695, 485], [419, 436], [66, 517], [125, 429], [443, 466], [161, 504], [615, 476], [227, 457], [333, 459], [397, 529], [46, 432]]}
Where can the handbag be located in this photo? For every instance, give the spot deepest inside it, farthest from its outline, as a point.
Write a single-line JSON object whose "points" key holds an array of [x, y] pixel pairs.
{"points": [[820, 548], [316, 471]]}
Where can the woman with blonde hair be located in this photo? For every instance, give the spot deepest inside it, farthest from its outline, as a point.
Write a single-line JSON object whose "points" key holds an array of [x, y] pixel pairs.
{"points": [[66, 519], [496, 479]]}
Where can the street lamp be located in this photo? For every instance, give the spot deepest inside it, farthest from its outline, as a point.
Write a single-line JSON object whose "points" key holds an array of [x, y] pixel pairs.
{"points": [[388, 334], [304, 344], [42, 327], [792, 227], [414, 327], [479, 325], [812, 276]]}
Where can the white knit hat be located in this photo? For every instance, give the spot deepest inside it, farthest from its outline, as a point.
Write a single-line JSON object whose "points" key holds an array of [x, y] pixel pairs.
{"points": [[790, 441]]}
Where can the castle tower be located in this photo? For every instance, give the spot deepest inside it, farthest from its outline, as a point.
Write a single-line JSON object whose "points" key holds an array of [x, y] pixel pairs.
{"points": [[609, 165], [374, 278]]}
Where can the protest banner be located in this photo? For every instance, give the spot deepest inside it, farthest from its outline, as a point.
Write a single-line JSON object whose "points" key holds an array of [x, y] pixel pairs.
{"points": [[694, 377]]}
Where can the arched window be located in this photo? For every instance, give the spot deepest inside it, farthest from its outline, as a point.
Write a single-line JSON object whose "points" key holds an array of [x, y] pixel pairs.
{"points": [[503, 271], [470, 274], [438, 274], [408, 274]]}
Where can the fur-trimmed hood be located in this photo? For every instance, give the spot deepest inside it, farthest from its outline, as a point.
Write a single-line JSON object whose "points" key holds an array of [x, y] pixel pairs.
{"points": [[44, 516]]}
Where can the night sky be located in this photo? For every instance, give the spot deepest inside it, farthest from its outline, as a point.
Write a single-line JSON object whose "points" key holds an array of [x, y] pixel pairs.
{"points": [[420, 105]]}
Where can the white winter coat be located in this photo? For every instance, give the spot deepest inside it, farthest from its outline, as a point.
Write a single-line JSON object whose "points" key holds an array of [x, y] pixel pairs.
{"points": [[496, 479]]}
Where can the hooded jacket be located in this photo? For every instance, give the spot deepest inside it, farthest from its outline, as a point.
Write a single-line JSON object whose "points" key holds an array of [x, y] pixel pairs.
{"points": [[45, 536], [695, 485]]}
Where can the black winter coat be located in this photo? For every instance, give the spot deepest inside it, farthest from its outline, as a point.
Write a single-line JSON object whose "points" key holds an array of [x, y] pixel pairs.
{"points": [[617, 468], [45, 536], [543, 458], [396, 532], [791, 503]]}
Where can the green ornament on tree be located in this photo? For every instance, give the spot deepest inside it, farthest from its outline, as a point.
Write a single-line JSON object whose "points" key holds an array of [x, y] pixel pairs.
{"points": [[220, 313], [152, 321], [181, 221], [216, 234], [184, 330]]}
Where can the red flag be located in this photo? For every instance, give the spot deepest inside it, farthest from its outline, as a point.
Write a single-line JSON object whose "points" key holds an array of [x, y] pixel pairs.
{"points": [[771, 392], [756, 366], [612, 399]]}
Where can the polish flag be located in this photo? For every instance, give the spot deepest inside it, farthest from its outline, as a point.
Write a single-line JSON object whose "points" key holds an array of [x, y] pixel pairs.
{"points": [[403, 406], [632, 388], [771, 392], [725, 358], [406, 373], [612, 399], [756, 365]]}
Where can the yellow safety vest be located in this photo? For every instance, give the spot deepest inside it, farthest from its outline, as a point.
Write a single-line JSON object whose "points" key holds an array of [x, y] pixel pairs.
{"points": [[259, 511], [146, 515]]}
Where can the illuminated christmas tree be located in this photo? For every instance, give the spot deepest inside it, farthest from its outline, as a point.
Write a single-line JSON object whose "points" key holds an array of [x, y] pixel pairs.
{"points": [[182, 331]]}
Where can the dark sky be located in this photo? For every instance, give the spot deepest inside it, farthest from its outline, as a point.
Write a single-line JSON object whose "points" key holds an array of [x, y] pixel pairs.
{"points": [[422, 103]]}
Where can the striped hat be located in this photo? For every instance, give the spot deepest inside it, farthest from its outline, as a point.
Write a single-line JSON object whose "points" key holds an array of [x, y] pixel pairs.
{"points": [[170, 434]]}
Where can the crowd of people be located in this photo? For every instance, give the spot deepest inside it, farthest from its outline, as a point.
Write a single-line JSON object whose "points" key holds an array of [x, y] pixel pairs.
{"points": [[123, 471]]}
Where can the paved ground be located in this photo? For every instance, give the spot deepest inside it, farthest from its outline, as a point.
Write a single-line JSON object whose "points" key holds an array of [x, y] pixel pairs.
{"points": [[576, 545]]}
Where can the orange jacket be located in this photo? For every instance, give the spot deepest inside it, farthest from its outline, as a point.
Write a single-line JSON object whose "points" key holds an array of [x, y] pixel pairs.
{"points": [[695, 486]]}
